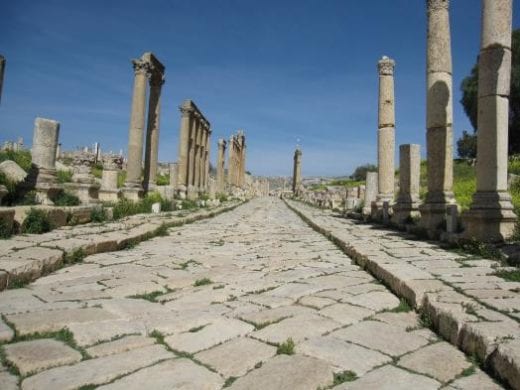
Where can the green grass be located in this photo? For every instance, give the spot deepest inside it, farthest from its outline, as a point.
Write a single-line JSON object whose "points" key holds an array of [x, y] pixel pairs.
{"points": [[511, 276], [286, 348], [5, 230], [345, 376], [22, 158], [97, 170], [202, 282], [147, 296], [75, 256], [403, 307], [64, 176], [162, 180], [66, 199], [36, 222]]}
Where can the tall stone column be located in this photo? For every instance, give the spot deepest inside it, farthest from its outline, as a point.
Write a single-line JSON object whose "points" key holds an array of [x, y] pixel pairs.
{"points": [[439, 117], [231, 162], [491, 216], [370, 192], [174, 175], [221, 160], [2, 70], [133, 186], [407, 205], [206, 160], [193, 154], [43, 175], [196, 175], [385, 134], [184, 145], [152, 133], [297, 171]]}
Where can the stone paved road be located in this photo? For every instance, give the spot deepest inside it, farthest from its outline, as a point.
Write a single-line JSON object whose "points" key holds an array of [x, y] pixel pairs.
{"points": [[207, 306]]}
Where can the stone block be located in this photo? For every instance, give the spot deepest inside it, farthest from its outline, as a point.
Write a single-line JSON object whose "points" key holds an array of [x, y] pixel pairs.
{"points": [[12, 171]]}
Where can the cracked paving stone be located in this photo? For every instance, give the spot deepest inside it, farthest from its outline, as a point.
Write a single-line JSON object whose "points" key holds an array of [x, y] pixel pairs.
{"points": [[37, 355]]}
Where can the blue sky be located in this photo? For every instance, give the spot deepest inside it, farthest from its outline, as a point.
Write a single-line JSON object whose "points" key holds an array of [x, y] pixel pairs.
{"points": [[281, 70]]}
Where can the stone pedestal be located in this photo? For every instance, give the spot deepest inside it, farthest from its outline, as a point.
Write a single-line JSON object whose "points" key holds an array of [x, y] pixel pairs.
{"points": [[43, 172], [491, 216], [370, 192], [407, 205], [109, 191], [192, 193], [173, 175], [385, 136], [88, 193], [439, 118]]}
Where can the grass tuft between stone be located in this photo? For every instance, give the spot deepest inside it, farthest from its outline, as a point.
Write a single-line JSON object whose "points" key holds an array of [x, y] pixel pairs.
{"points": [[202, 282], [286, 348]]}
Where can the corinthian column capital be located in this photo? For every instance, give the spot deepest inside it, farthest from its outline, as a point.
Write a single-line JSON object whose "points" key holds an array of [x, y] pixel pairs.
{"points": [[386, 66], [142, 67], [437, 4]]}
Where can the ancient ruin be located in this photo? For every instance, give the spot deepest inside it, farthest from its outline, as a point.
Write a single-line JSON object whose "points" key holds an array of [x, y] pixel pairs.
{"points": [[147, 68], [297, 171], [193, 156], [385, 136], [439, 117], [237, 160], [221, 166], [407, 204], [491, 216]]}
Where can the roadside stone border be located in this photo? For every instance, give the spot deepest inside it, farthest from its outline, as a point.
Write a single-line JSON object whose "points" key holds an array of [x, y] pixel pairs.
{"points": [[457, 295], [25, 258]]}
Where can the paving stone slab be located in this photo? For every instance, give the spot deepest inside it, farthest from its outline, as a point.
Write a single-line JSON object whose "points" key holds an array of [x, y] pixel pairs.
{"points": [[391, 378], [96, 371], [6, 333], [346, 314], [88, 333], [478, 381], [37, 355], [236, 357], [171, 374], [298, 328], [123, 344], [343, 355], [215, 333], [264, 317], [55, 320], [287, 372], [9, 381], [382, 337], [441, 361]]}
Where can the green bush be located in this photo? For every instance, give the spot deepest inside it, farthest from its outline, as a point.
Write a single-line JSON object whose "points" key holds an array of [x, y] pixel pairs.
{"points": [[97, 170], [36, 222], [222, 198], [121, 178], [65, 199], [64, 176], [5, 229], [163, 180], [98, 215], [10, 185], [21, 157], [28, 199], [188, 204]]}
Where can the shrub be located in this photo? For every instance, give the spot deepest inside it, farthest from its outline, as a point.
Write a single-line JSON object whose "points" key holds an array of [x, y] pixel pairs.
{"points": [[5, 229], [163, 180], [28, 199], [66, 199], [21, 157], [286, 348], [98, 215], [97, 170], [189, 204], [222, 198], [36, 222], [64, 176]]}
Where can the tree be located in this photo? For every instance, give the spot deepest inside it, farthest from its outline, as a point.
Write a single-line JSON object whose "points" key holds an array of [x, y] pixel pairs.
{"points": [[469, 101], [467, 145], [360, 173]]}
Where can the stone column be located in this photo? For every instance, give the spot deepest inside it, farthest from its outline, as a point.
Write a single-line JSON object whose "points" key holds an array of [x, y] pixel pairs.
{"points": [[109, 191], [43, 174], [192, 169], [206, 160], [174, 175], [370, 192], [297, 171], [184, 144], [491, 216], [439, 117], [221, 157], [385, 135], [133, 186], [2, 70], [196, 173], [231, 162], [152, 133], [407, 205]]}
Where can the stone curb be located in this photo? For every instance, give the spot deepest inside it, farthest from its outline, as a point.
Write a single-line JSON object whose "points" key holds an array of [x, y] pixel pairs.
{"points": [[493, 343], [49, 256]]}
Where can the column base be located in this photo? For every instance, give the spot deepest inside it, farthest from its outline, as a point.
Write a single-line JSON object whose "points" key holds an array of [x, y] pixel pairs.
{"points": [[181, 192], [87, 193], [490, 217], [192, 193], [106, 195], [132, 193], [405, 212], [377, 208], [433, 211], [45, 192]]}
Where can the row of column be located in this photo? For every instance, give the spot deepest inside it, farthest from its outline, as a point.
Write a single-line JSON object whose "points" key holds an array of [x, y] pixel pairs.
{"points": [[194, 148], [146, 69], [221, 165], [237, 160], [491, 216]]}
